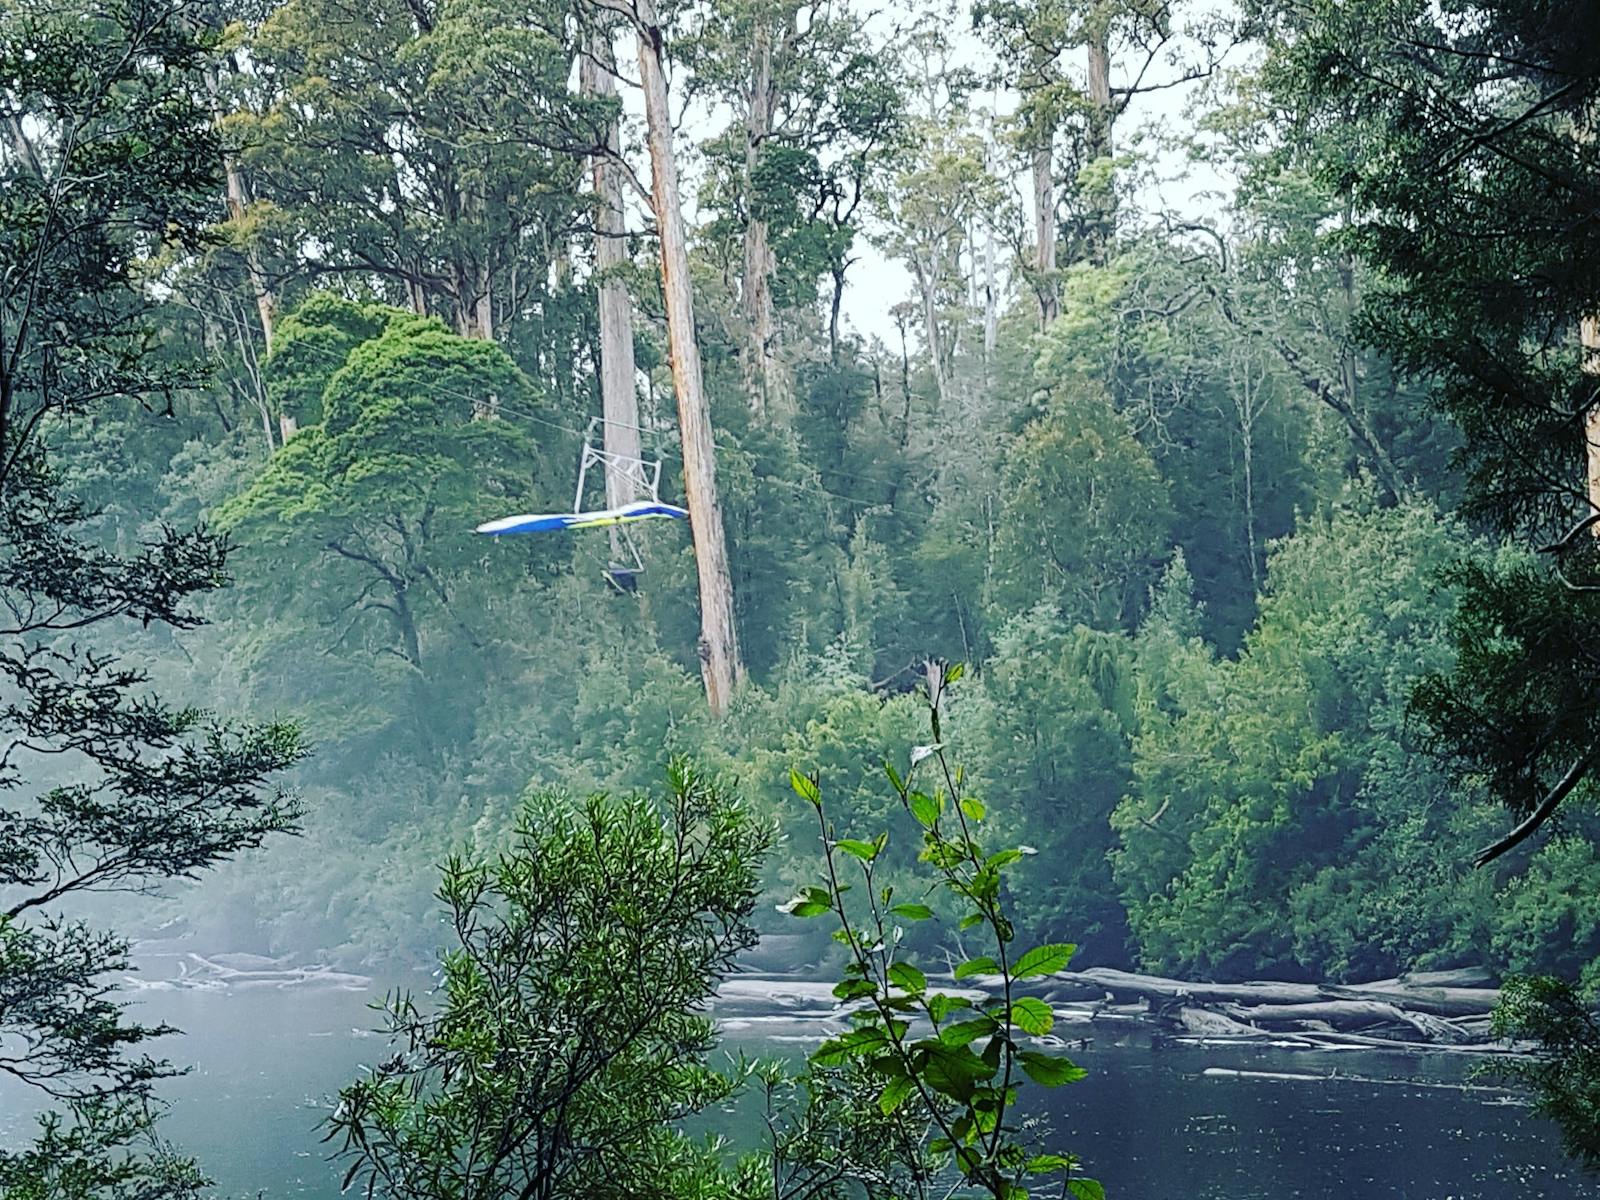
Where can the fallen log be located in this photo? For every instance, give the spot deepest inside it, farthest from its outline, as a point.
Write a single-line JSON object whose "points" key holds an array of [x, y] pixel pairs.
{"points": [[1350, 1014], [1440, 1001], [1407, 992], [1123, 984]]}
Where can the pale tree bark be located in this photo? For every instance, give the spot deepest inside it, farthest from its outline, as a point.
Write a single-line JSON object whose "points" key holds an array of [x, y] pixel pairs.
{"points": [[1044, 229], [619, 402], [1589, 335], [721, 666], [756, 291], [991, 298], [927, 276], [1101, 115], [239, 199], [238, 202]]}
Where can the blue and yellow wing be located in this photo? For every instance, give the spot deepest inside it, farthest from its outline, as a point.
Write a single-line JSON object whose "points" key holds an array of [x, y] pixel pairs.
{"points": [[639, 510]]}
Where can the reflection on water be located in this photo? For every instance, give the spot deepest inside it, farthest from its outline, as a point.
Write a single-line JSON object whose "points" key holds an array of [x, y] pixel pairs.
{"points": [[1152, 1124]]}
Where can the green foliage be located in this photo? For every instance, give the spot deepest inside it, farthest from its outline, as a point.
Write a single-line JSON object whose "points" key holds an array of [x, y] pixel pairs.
{"points": [[565, 1037], [1085, 515], [940, 1081], [108, 1150], [1287, 780], [381, 496], [1565, 1077], [105, 787], [1050, 727]]}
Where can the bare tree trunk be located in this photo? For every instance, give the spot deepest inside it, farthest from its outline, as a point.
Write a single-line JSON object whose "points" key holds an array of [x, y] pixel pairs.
{"points": [[238, 201], [1044, 235], [1589, 334], [619, 402], [757, 281], [991, 299], [927, 284], [266, 302], [484, 303], [721, 667], [835, 303], [1101, 113]]}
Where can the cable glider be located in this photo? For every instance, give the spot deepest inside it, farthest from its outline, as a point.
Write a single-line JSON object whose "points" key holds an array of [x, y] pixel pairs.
{"points": [[625, 475]]}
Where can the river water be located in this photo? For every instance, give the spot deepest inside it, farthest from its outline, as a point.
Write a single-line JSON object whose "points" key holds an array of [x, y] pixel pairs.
{"points": [[1167, 1123]]}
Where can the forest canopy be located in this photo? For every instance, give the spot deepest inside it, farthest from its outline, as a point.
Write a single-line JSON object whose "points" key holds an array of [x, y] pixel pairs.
{"points": [[1218, 384]]}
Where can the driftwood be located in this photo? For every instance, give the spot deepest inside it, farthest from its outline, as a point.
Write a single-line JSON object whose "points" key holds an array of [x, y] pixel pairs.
{"points": [[1350, 1014], [1448, 1008], [1441, 1012]]}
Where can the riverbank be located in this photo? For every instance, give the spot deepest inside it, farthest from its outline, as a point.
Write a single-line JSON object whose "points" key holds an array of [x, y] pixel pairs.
{"points": [[1434, 1012]]}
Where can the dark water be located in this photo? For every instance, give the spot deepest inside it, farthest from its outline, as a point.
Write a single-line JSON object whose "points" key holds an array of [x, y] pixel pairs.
{"points": [[1152, 1124]]}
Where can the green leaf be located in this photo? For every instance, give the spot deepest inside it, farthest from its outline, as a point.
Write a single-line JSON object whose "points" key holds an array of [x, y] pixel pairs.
{"points": [[982, 965], [971, 919], [973, 808], [924, 808], [953, 1071], [941, 1005], [1086, 1189], [865, 851], [801, 907], [904, 975], [964, 1033], [1045, 960], [894, 1094], [1043, 1164], [1049, 1071], [954, 672], [805, 787], [1032, 1016], [894, 776], [912, 912], [836, 1051], [1003, 858], [854, 989]]}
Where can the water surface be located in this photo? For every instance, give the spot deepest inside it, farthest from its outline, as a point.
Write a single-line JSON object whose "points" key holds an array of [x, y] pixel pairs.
{"points": [[1150, 1121]]}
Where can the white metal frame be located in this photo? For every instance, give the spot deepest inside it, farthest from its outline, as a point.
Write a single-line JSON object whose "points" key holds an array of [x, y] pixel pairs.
{"points": [[644, 472]]}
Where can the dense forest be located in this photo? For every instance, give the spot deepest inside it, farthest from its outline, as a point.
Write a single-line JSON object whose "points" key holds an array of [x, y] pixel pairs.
{"points": [[1211, 382], [1188, 531]]}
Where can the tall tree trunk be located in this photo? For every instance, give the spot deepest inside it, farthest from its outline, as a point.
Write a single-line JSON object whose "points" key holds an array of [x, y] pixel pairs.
{"points": [[721, 667], [483, 303], [1044, 232], [619, 401], [266, 301], [991, 299], [1589, 335], [927, 277], [835, 303], [1101, 113], [756, 292], [238, 193]]}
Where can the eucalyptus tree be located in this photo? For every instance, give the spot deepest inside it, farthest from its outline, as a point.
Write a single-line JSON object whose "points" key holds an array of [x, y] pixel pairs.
{"points": [[937, 188], [430, 150], [722, 663], [108, 154], [816, 93], [1035, 41]]}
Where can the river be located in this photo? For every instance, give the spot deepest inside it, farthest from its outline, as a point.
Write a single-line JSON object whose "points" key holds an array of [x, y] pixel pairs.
{"points": [[1152, 1122]]}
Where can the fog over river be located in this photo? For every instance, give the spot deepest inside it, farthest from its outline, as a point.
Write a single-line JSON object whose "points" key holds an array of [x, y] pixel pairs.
{"points": [[1167, 1123]]}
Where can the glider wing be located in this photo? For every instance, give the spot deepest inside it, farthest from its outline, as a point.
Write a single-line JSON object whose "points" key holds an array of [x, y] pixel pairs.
{"points": [[639, 510]]}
